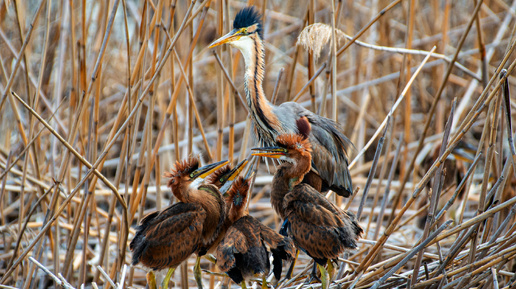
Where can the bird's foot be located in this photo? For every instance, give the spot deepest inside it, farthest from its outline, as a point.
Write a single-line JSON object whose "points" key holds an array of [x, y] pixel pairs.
{"points": [[218, 274], [313, 276], [211, 258], [151, 280], [264, 282]]}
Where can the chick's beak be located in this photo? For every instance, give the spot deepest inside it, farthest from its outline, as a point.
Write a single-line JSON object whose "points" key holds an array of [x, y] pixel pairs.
{"points": [[203, 172], [270, 152], [231, 36], [228, 179], [233, 174]]}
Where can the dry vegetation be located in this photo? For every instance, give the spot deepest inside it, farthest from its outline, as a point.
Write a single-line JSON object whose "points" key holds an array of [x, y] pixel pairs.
{"points": [[99, 98]]}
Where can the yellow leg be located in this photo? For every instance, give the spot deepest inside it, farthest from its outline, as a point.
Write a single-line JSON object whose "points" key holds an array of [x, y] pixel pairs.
{"points": [[242, 284], [324, 277], [151, 280], [331, 269], [164, 284], [264, 281], [197, 272], [291, 268]]}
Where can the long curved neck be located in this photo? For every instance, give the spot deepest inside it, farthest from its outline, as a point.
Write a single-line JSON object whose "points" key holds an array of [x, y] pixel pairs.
{"points": [[285, 179], [260, 108]]}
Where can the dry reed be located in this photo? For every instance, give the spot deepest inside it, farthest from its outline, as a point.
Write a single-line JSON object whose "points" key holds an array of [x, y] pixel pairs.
{"points": [[98, 98]]}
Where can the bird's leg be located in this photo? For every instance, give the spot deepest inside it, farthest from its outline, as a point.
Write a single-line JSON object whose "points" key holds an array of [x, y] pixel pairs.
{"points": [[197, 272], [151, 280], [325, 282], [331, 269], [313, 275], [164, 284], [242, 284], [291, 268], [264, 281]]}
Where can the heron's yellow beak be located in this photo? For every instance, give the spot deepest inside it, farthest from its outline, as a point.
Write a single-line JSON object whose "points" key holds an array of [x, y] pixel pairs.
{"points": [[233, 174], [228, 179], [203, 172], [231, 36], [270, 152]]}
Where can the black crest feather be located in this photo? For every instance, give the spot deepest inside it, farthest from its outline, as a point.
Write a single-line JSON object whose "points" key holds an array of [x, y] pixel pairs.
{"points": [[248, 16], [303, 127]]}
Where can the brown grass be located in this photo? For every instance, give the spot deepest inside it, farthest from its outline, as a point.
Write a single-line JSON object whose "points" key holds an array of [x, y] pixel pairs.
{"points": [[99, 98]]}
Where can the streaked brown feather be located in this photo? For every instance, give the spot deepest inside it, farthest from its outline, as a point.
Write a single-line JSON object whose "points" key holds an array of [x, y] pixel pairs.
{"points": [[317, 226], [215, 208], [167, 238], [239, 189], [245, 249]]}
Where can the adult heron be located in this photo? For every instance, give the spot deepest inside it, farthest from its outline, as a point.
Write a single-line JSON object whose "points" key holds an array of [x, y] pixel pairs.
{"points": [[330, 145]]}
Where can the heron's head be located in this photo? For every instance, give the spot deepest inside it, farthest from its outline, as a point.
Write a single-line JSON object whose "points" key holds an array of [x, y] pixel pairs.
{"points": [[188, 173], [238, 192], [226, 175], [247, 26], [236, 198], [290, 147]]}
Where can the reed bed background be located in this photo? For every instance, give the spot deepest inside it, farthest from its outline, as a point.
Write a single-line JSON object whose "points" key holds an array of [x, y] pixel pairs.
{"points": [[99, 98]]}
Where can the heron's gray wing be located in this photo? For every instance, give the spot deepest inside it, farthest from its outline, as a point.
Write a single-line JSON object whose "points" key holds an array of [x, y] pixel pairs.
{"points": [[330, 146]]}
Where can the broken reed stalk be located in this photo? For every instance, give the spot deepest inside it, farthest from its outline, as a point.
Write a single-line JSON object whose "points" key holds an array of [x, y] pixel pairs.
{"points": [[433, 107], [372, 172], [436, 192]]}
